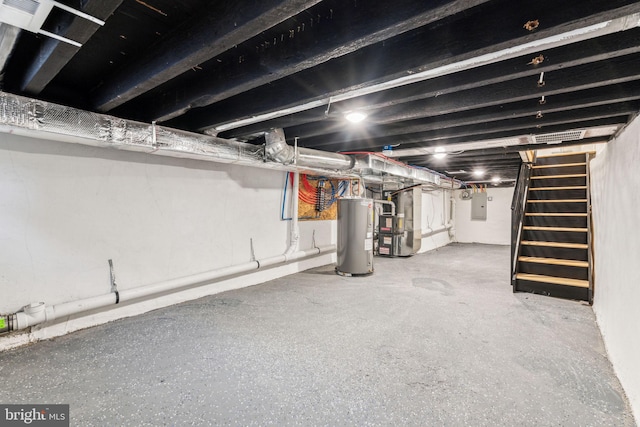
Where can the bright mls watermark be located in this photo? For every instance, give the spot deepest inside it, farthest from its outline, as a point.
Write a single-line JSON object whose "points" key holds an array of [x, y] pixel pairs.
{"points": [[34, 415]]}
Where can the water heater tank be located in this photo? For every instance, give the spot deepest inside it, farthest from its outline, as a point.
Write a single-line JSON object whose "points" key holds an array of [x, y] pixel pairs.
{"points": [[355, 236]]}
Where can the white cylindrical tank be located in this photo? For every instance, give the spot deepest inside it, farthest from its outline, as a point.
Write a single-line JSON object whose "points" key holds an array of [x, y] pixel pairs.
{"points": [[355, 236]]}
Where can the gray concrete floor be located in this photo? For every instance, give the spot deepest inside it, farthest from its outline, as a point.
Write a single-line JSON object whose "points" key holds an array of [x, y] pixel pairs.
{"points": [[436, 339]]}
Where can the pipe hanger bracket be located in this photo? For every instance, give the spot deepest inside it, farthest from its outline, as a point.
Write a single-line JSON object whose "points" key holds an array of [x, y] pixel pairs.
{"points": [[112, 277]]}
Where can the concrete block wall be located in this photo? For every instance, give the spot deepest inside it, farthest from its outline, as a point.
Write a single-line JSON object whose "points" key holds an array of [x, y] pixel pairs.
{"points": [[615, 180], [496, 230], [66, 209], [436, 210]]}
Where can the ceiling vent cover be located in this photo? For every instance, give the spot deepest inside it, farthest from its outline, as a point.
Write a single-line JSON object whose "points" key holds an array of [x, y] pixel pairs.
{"points": [[26, 14], [30, 15], [559, 137], [28, 6]]}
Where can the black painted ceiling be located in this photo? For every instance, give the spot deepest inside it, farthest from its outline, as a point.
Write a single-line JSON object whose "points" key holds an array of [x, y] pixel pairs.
{"points": [[205, 65]]}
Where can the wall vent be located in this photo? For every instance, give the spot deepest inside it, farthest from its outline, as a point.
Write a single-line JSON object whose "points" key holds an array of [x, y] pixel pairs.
{"points": [[559, 137], [30, 15], [28, 6]]}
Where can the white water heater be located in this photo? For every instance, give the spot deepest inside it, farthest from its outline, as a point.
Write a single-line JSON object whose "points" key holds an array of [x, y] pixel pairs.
{"points": [[355, 236]]}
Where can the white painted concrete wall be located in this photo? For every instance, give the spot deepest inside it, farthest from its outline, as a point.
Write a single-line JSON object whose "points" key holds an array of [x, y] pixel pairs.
{"points": [[496, 229], [66, 209], [615, 179], [436, 209]]}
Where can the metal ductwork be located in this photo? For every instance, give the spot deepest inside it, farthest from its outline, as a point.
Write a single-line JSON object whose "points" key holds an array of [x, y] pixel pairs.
{"points": [[29, 117], [369, 166], [278, 150]]}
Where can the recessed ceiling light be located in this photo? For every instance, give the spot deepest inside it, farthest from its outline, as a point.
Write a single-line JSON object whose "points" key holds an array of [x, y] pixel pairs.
{"points": [[478, 173], [355, 116], [440, 153], [496, 179]]}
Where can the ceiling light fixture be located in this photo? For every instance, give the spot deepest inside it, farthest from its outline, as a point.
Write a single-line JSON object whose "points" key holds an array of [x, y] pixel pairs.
{"points": [[355, 116], [496, 179], [478, 173], [440, 153]]}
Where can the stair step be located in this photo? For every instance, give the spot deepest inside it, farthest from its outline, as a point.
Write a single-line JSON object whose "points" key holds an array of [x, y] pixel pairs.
{"points": [[554, 252], [553, 280], [572, 187], [558, 200], [562, 159], [571, 229], [555, 214], [554, 261], [569, 153], [563, 165], [573, 175], [556, 244]]}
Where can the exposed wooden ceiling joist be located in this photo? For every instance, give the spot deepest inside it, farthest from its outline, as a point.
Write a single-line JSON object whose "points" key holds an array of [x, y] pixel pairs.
{"points": [[53, 55], [222, 26]]}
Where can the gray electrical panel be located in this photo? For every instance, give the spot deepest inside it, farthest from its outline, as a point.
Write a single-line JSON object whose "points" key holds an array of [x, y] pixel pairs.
{"points": [[479, 207]]}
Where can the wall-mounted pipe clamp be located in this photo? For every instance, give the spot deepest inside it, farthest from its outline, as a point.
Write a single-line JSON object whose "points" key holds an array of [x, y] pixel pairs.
{"points": [[112, 277]]}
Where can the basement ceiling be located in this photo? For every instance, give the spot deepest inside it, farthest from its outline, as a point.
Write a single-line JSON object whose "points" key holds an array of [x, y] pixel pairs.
{"points": [[477, 79]]}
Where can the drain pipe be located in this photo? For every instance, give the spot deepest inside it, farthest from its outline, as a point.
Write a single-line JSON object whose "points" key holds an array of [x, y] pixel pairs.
{"points": [[450, 224], [452, 216], [387, 202], [37, 313], [430, 232], [294, 236]]}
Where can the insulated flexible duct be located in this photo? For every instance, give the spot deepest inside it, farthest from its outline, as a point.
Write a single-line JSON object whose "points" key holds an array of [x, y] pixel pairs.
{"points": [[39, 119]]}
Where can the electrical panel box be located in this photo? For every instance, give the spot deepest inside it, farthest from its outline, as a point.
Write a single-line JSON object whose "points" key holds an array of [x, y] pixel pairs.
{"points": [[479, 207]]}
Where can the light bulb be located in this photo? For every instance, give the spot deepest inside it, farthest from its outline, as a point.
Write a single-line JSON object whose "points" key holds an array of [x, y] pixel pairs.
{"points": [[440, 153], [356, 116]]}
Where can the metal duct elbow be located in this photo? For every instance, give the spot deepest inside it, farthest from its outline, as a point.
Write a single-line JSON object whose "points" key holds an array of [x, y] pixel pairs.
{"points": [[277, 149]]}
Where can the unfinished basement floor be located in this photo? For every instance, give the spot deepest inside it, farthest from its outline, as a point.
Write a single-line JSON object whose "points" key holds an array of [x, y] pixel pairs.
{"points": [[435, 339]]}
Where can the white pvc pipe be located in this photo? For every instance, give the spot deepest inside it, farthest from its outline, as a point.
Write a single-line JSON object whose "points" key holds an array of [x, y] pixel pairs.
{"points": [[387, 202], [294, 236], [430, 232], [37, 313], [452, 215]]}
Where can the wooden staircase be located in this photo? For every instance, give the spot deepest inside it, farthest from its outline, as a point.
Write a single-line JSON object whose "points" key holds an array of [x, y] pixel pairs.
{"points": [[554, 256]]}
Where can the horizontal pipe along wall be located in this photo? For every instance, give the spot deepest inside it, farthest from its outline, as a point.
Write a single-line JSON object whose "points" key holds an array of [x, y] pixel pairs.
{"points": [[67, 209]]}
